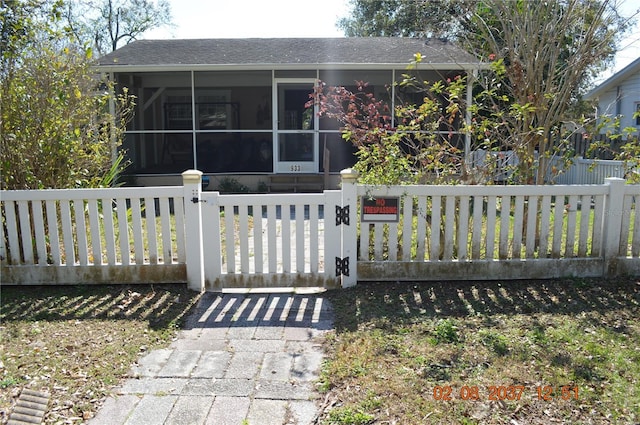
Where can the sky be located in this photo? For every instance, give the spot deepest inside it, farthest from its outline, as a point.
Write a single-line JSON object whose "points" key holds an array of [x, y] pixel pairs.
{"points": [[299, 18]]}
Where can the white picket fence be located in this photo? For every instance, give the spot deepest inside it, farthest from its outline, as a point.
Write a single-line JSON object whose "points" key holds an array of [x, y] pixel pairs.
{"points": [[503, 232], [213, 241], [93, 235]]}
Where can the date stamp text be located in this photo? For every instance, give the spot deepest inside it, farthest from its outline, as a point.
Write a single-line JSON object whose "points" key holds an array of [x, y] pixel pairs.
{"points": [[505, 392]]}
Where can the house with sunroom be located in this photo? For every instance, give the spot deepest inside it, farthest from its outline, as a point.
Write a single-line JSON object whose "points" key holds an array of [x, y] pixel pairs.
{"points": [[237, 108]]}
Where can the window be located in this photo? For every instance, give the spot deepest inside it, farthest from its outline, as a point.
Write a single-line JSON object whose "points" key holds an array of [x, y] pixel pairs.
{"points": [[637, 115]]}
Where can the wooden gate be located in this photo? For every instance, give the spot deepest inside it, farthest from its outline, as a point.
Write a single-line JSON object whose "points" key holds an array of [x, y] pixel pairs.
{"points": [[268, 240]]}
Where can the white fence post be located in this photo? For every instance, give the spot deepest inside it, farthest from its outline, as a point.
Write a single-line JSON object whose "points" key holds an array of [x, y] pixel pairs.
{"points": [[612, 222], [347, 264], [191, 180]]}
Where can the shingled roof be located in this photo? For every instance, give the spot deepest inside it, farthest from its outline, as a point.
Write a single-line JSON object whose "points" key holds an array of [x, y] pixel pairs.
{"points": [[384, 52]]}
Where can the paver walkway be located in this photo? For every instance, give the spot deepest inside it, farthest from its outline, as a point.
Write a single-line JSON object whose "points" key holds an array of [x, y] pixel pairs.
{"points": [[241, 357]]}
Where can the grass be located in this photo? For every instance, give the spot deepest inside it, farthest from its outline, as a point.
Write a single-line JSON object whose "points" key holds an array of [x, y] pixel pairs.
{"points": [[562, 351], [421, 353], [79, 342]]}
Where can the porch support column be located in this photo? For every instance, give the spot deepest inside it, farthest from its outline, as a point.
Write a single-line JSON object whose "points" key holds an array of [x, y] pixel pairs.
{"points": [[191, 181], [347, 264]]}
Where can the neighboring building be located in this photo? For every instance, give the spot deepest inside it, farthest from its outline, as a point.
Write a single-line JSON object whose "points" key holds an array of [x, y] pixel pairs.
{"points": [[249, 97], [620, 96]]}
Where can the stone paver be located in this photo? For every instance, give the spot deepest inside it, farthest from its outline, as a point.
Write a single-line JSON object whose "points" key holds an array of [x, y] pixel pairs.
{"points": [[152, 409], [212, 364], [268, 412], [241, 357], [228, 410], [189, 410]]}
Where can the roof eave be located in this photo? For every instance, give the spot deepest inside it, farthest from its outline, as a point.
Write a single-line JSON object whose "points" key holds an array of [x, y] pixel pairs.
{"points": [[115, 68], [614, 80]]}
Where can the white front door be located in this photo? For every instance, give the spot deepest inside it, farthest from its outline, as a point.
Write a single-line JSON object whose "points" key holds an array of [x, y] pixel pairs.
{"points": [[295, 134]]}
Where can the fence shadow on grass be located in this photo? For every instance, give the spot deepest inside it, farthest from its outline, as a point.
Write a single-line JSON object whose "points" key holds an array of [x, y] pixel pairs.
{"points": [[406, 302], [160, 305]]}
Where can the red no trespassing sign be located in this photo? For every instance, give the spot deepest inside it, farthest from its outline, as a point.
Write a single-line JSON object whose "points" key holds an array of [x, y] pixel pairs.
{"points": [[386, 210]]}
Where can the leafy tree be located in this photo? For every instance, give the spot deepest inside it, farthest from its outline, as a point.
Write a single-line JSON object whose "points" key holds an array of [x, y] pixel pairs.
{"points": [[58, 128], [107, 24], [549, 51], [546, 53], [404, 18]]}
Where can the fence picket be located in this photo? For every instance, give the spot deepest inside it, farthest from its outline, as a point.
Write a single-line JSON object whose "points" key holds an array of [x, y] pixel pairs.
{"points": [[25, 229], [392, 242], [421, 230], [272, 252], [94, 228], [532, 222], [12, 231], [165, 225], [505, 214], [67, 233], [518, 223], [332, 250], [109, 231], [137, 230], [178, 212], [598, 227], [378, 241], [243, 222], [585, 212], [285, 215], [407, 227], [545, 211], [436, 215], [572, 211], [81, 233], [491, 227], [463, 227], [556, 246], [300, 237], [3, 244], [476, 241], [258, 257], [123, 234], [54, 232], [314, 235], [39, 232], [152, 233], [449, 227], [623, 246], [230, 242]]}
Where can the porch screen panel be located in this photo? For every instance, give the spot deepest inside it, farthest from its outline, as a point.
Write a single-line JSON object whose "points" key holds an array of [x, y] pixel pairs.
{"points": [[158, 153], [238, 152]]}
